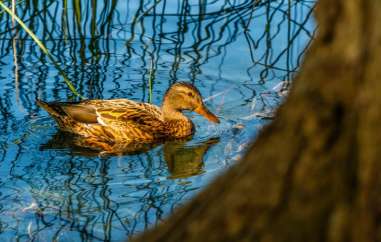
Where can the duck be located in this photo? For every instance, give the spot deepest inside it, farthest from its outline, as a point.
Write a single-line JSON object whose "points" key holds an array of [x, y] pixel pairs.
{"points": [[104, 124]]}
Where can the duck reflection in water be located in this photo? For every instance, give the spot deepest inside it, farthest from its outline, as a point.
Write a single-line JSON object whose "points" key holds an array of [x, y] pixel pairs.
{"points": [[183, 160]]}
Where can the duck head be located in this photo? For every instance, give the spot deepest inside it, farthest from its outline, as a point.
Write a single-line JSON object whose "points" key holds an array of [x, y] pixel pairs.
{"points": [[184, 96]]}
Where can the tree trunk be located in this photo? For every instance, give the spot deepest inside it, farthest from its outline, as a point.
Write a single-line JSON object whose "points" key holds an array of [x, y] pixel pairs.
{"points": [[313, 173]]}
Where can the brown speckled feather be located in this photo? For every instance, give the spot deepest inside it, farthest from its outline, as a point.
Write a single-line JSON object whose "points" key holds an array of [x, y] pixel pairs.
{"points": [[115, 120], [106, 124]]}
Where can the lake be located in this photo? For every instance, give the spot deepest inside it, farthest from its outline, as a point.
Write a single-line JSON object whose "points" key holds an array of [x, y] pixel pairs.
{"points": [[240, 54]]}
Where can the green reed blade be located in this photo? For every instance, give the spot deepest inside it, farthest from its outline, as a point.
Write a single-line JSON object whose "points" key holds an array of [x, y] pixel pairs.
{"points": [[150, 81], [42, 47]]}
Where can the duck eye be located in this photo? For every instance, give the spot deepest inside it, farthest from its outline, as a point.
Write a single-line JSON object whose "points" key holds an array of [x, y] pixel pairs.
{"points": [[190, 94]]}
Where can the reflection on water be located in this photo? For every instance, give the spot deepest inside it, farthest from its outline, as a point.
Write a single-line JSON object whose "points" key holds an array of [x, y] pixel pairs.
{"points": [[182, 160], [78, 145], [241, 54]]}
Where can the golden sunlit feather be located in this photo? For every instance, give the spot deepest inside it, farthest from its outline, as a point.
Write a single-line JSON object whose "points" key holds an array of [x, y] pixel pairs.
{"points": [[107, 123]]}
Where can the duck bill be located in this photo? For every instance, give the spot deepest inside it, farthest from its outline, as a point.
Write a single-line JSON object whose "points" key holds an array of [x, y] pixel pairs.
{"points": [[207, 114]]}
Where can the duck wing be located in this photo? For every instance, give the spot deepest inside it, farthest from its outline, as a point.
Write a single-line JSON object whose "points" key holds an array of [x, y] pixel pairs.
{"points": [[78, 111], [122, 113], [117, 112], [144, 116]]}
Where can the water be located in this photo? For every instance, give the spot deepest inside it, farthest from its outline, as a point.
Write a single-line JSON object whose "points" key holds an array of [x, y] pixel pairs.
{"points": [[240, 54]]}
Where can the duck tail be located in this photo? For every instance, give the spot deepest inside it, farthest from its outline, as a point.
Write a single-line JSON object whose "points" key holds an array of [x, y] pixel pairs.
{"points": [[52, 108]]}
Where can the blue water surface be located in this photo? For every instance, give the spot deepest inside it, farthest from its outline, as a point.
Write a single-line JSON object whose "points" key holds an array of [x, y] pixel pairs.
{"points": [[241, 54]]}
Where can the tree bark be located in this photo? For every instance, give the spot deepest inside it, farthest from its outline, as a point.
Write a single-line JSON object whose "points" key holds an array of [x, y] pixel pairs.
{"points": [[313, 173]]}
